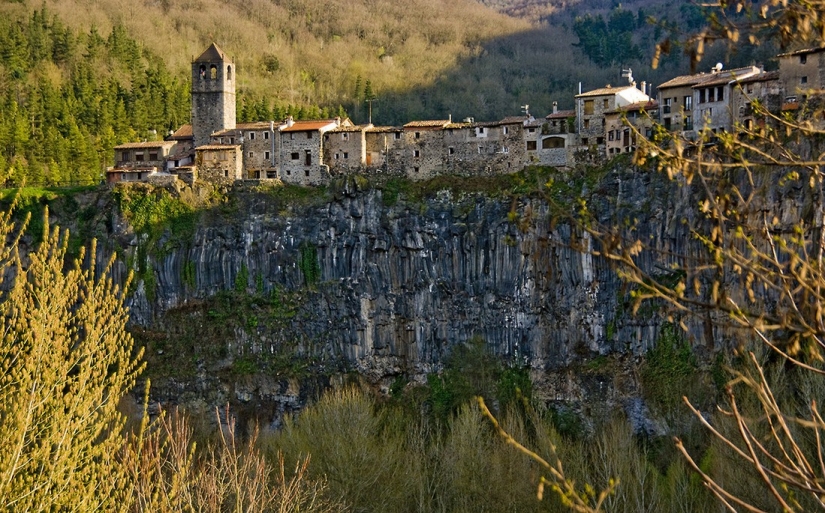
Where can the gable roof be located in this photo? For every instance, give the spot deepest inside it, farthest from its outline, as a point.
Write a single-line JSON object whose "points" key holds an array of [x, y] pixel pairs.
{"points": [[308, 125], [801, 52], [212, 54], [562, 114], [435, 123], [604, 91], [707, 79], [145, 144], [184, 132]]}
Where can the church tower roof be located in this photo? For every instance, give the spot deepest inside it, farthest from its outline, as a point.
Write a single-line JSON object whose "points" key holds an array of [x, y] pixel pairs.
{"points": [[212, 54]]}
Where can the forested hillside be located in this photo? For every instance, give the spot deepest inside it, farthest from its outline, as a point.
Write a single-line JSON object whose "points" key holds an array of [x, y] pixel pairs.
{"points": [[78, 78]]}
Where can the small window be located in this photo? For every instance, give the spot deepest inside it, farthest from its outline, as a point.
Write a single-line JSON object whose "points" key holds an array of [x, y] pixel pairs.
{"points": [[202, 71], [604, 104], [226, 173], [505, 130], [418, 135], [288, 172], [803, 80], [415, 169], [450, 150], [251, 136], [531, 130], [599, 140], [139, 156], [153, 155], [292, 136], [345, 136], [531, 145], [213, 72], [306, 172], [336, 156], [251, 154], [140, 175], [266, 136], [346, 155], [309, 135], [586, 124], [588, 107], [124, 155], [398, 135], [295, 155], [701, 96], [231, 140], [229, 72], [266, 155], [610, 135], [585, 141], [480, 149], [688, 102], [803, 59], [720, 93], [416, 153]]}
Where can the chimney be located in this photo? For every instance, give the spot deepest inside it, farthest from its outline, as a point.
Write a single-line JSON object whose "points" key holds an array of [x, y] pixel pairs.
{"points": [[337, 121], [555, 107], [580, 88], [449, 118], [644, 87], [289, 121]]}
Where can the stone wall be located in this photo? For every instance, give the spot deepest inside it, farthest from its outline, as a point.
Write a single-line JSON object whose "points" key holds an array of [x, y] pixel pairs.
{"points": [[300, 158]]}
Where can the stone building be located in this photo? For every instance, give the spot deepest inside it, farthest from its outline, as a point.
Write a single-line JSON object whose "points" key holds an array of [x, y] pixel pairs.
{"points": [[591, 107], [135, 162], [301, 150], [213, 94], [259, 143], [345, 149], [690, 103], [625, 124], [762, 87], [219, 163], [423, 146], [802, 73], [384, 149]]}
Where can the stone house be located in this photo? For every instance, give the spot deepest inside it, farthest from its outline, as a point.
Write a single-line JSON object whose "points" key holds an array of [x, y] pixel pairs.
{"points": [[301, 150], [423, 146], [258, 141], [483, 148], [137, 161], [345, 149], [624, 123], [558, 138], [183, 152], [220, 163], [384, 149], [591, 107], [690, 103], [802, 73], [762, 87]]}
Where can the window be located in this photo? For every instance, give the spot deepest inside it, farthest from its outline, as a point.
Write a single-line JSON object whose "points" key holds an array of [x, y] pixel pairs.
{"points": [[306, 172], [398, 135], [701, 96], [585, 141], [309, 135], [231, 140], [667, 123], [450, 150], [586, 124], [202, 71], [226, 173], [803, 80], [415, 169], [418, 135], [610, 135], [153, 154], [345, 136], [291, 136], [688, 103], [531, 130], [688, 123], [213, 72], [480, 130], [588, 107], [307, 158], [346, 155], [336, 156], [266, 136], [251, 136], [531, 145], [295, 155], [266, 155], [720, 93], [504, 130], [229, 72], [140, 175], [480, 149], [599, 140], [251, 154], [139, 156], [803, 59], [124, 155], [416, 153], [666, 106], [604, 104]]}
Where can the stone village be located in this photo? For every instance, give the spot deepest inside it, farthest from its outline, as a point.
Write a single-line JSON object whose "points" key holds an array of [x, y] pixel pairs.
{"points": [[216, 148]]}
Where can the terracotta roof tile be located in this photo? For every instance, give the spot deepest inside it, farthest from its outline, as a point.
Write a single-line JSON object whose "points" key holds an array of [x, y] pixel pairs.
{"points": [[801, 52], [184, 132], [218, 147], [562, 114]]}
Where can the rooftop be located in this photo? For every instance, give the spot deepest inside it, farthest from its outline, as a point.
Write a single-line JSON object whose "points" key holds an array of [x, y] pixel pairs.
{"points": [[436, 123], [603, 91], [146, 144], [184, 132], [804, 51], [218, 147], [308, 126], [212, 54], [562, 114], [712, 78]]}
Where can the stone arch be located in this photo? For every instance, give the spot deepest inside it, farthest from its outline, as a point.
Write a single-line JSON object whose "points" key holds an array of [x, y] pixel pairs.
{"points": [[550, 143], [202, 71], [213, 72], [229, 72]]}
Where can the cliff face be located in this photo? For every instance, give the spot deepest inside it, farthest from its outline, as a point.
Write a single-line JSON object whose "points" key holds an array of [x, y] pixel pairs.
{"points": [[389, 289]]}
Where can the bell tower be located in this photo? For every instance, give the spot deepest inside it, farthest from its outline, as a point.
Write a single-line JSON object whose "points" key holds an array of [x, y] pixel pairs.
{"points": [[213, 94]]}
